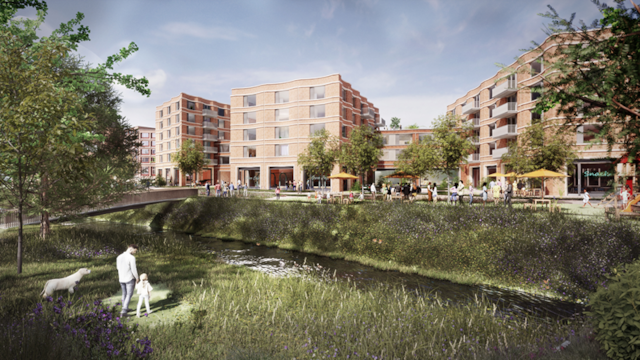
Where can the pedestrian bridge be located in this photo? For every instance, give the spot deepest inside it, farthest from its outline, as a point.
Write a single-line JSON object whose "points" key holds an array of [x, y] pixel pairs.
{"points": [[9, 219]]}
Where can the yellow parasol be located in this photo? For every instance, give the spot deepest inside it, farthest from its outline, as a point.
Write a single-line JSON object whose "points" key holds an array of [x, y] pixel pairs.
{"points": [[543, 173], [343, 176], [511, 174], [401, 175], [496, 175]]}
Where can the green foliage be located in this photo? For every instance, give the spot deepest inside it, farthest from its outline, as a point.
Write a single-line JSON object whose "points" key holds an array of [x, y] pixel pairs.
{"points": [[395, 123], [414, 126], [363, 150], [320, 156], [356, 186], [160, 181], [190, 157], [615, 314]]}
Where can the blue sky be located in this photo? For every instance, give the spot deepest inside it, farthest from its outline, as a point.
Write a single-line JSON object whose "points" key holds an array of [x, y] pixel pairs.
{"points": [[411, 58]]}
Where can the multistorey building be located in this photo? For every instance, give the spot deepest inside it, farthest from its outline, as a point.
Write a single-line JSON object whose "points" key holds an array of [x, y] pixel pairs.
{"points": [[271, 124], [201, 120], [500, 109], [146, 153], [394, 142]]}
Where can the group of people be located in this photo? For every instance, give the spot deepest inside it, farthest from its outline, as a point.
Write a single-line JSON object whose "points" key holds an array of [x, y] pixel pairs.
{"points": [[225, 189], [408, 190], [129, 280], [497, 191]]}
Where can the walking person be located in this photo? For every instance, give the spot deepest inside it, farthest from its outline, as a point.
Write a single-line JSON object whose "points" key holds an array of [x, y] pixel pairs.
{"points": [[224, 189], [245, 189], [484, 194], [508, 193], [496, 189], [624, 195], [128, 276], [208, 187], [435, 193], [461, 191], [471, 194], [373, 192], [586, 198], [231, 188], [454, 193], [491, 185], [277, 192], [144, 293], [217, 187], [384, 191], [429, 192]]}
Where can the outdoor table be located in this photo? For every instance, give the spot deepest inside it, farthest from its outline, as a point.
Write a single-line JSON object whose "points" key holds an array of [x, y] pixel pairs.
{"points": [[542, 202]]}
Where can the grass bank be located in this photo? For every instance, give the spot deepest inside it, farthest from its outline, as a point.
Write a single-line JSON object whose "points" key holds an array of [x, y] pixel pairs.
{"points": [[236, 313], [563, 256]]}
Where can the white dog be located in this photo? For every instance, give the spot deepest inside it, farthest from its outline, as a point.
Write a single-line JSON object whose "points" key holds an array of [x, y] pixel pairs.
{"points": [[64, 284]]}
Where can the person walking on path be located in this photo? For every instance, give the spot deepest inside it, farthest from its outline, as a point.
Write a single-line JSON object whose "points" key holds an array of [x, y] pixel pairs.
{"points": [[373, 192], [144, 293], [624, 196], [224, 189], [491, 185], [484, 194], [128, 276], [508, 192], [429, 192], [384, 191], [461, 191], [208, 187], [496, 193], [471, 194], [245, 189], [454, 193], [585, 198], [231, 188], [277, 192], [435, 193], [217, 188]]}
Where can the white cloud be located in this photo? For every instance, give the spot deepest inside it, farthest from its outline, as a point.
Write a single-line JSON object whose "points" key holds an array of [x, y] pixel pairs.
{"points": [[329, 8], [413, 109], [156, 78], [190, 29], [309, 31]]}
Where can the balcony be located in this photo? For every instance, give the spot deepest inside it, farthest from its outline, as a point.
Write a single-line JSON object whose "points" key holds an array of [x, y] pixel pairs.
{"points": [[368, 113], [504, 111], [470, 108], [475, 140], [475, 122], [210, 125], [380, 122], [473, 157], [213, 161], [505, 89], [210, 137], [505, 132], [210, 150], [210, 113], [497, 153]]}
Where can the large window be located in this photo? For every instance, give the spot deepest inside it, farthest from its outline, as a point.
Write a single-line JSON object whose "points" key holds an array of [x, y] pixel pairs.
{"points": [[345, 113], [206, 107], [536, 91], [315, 127], [249, 134], [491, 91], [178, 130], [316, 92], [191, 117], [169, 145], [144, 151], [221, 124], [282, 132], [168, 158], [160, 136], [161, 114], [191, 130], [168, 133], [144, 135], [249, 100], [145, 143], [224, 148], [344, 131], [282, 97], [220, 112], [316, 111], [405, 139], [282, 114], [282, 150], [537, 66], [177, 105], [177, 118], [177, 143], [249, 151], [160, 157], [169, 122], [191, 105], [224, 160], [168, 109], [161, 122], [250, 117], [160, 147]]}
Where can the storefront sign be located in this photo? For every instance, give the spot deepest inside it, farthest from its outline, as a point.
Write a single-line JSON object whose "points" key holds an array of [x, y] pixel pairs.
{"points": [[597, 174]]}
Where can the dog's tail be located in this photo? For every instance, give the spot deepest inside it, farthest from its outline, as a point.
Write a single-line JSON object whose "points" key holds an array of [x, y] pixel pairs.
{"points": [[44, 291]]}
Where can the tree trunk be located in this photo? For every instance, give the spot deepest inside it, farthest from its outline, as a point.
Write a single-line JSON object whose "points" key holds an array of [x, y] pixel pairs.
{"points": [[20, 238], [45, 225]]}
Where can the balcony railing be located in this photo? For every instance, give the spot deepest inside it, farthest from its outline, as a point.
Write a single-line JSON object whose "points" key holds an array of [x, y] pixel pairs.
{"points": [[210, 125], [380, 122], [471, 107], [506, 110], [210, 149], [505, 89], [475, 140], [475, 122], [209, 113], [475, 157], [504, 132], [368, 113], [213, 161], [210, 137], [497, 153]]}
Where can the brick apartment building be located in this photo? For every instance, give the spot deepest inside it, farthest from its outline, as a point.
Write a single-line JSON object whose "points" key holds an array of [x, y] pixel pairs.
{"points": [[271, 125], [394, 142], [204, 121], [502, 109], [146, 153]]}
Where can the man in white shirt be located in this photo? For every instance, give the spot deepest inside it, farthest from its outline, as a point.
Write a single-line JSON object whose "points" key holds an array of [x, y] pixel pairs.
{"points": [[373, 191], [128, 274]]}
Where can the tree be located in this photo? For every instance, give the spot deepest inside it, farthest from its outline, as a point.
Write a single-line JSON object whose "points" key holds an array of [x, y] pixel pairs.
{"points": [[363, 150], [419, 158], [320, 155], [414, 126], [395, 123], [594, 76], [190, 157]]}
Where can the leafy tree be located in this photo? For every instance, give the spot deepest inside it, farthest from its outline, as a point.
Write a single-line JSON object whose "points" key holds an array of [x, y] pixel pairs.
{"points": [[190, 157], [420, 158], [395, 123], [321, 154], [414, 126], [160, 181], [363, 150]]}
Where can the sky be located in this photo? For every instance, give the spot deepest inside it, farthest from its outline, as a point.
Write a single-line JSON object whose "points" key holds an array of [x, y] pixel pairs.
{"points": [[411, 58]]}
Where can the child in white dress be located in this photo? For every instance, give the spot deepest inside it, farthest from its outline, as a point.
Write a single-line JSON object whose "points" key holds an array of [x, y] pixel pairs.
{"points": [[585, 198], [144, 293]]}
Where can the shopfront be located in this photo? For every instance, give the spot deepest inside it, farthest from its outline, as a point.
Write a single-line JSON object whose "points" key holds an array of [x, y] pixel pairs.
{"points": [[280, 176], [250, 176], [594, 176]]}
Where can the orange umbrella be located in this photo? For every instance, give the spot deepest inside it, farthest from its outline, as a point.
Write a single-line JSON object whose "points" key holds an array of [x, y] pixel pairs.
{"points": [[343, 176], [543, 173]]}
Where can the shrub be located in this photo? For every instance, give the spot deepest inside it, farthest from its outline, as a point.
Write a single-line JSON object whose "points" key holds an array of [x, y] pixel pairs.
{"points": [[160, 181], [615, 314], [356, 186]]}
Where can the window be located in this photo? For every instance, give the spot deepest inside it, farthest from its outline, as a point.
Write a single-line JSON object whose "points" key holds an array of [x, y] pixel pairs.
{"points": [[282, 150], [169, 145], [177, 143], [224, 148], [153, 169], [249, 117], [405, 139], [153, 151], [177, 119], [249, 100], [345, 113], [178, 130], [344, 94], [191, 117], [282, 114], [207, 107], [316, 92], [168, 109], [316, 111], [491, 91], [453, 112], [168, 158], [537, 66], [145, 171], [221, 123], [423, 137], [191, 130], [536, 91], [191, 105], [282, 132], [144, 135], [344, 131], [282, 97], [169, 122], [153, 135], [354, 102], [144, 151], [224, 160], [249, 151], [160, 136], [168, 133], [161, 114], [491, 108], [315, 127], [249, 134], [160, 158], [161, 124], [160, 147], [145, 143], [177, 105], [220, 112], [153, 143]]}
